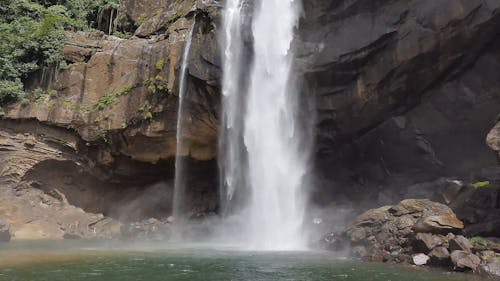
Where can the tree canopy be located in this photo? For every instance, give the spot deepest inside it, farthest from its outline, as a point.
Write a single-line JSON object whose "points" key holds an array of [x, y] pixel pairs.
{"points": [[32, 34]]}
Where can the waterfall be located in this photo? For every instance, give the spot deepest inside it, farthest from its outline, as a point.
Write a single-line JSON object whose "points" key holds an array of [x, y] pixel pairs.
{"points": [[180, 177], [230, 148], [263, 154]]}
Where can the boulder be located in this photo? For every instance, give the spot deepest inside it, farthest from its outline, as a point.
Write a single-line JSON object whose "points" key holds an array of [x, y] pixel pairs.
{"points": [[463, 260], [443, 224], [4, 231], [388, 231], [491, 270], [425, 242], [460, 243], [420, 259], [439, 256]]}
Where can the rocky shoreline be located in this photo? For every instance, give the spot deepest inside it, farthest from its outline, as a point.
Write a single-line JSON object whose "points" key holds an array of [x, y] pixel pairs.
{"points": [[418, 232]]}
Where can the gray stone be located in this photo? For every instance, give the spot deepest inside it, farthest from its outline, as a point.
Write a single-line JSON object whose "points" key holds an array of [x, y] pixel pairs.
{"points": [[463, 260], [439, 256], [425, 242], [490, 269], [460, 243], [420, 259]]}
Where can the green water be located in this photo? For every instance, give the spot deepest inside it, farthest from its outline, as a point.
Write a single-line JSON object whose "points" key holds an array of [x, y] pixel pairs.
{"points": [[54, 262]]}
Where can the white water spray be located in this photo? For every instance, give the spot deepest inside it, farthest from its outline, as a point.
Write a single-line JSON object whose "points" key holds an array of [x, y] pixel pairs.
{"points": [[274, 165], [179, 181], [231, 149]]}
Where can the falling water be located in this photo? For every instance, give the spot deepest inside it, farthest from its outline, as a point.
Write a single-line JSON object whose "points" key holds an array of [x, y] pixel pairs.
{"points": [[179, 181], [231, 148], [274, 165]]}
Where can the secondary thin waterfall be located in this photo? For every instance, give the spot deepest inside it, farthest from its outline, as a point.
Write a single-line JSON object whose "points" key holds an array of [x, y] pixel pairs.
{"points": [[272, 163], [180, 177]]}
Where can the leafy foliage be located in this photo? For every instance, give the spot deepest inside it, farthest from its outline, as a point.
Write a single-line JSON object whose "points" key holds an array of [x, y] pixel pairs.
{"points": [[32, 34], [109, 98], [478, 240]]}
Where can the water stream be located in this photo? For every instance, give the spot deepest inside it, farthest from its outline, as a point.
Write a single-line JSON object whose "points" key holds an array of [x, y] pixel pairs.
{"points": [[180, 176], [262, 152]]}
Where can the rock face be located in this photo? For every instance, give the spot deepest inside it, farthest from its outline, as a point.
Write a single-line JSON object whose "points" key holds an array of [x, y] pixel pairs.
{"points": [[424, 69], [399, 89], [105, 143]]}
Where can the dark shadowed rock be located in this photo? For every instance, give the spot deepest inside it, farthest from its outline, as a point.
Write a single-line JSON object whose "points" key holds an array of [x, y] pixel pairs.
{"points": [[465, 261], [439, 256]]}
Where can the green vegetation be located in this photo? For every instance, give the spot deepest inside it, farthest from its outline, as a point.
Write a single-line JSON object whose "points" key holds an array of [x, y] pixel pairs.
{"points": [[159, 65], [478, 240], [481, 184], [156, 84], [109, 98], [32, 34], [146, 111]]}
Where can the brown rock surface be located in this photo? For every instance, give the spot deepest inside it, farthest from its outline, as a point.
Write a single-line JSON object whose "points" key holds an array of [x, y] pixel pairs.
{"points": [[389, 231], [465, 261]]}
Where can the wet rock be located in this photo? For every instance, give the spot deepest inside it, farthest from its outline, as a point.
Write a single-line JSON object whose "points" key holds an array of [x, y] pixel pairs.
{"points": [[465, 261], [333, 242], [460, 243], [420, 259], [491, 269], [4, 231]]}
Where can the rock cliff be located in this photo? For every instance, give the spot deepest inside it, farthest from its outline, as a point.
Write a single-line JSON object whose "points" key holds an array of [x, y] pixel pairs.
{"points": [[402, 92]]}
